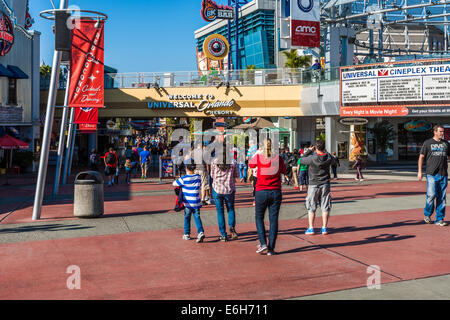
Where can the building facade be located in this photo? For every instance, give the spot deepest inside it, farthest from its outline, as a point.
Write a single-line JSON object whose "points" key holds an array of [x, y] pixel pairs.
{"points": [[19, 73]]}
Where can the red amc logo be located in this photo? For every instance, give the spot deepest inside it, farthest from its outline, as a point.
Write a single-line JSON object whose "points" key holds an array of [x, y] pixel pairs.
{"points": [[383, 73], [305, 33]]}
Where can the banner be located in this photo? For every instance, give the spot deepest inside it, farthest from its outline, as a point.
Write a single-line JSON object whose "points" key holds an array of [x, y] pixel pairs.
{"points": [[86, 115], [87, 128], [87, 65], [305, 23]]}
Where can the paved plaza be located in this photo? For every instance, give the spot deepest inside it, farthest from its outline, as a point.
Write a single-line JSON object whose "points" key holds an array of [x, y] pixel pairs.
{"points": [[135, 250]]}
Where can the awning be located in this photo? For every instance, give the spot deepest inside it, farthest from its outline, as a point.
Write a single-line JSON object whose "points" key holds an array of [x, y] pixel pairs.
{"points": [[5, 72], [17, 72]]}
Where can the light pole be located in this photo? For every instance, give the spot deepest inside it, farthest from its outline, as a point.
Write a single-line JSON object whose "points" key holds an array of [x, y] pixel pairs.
{"points": [[43, 163]]}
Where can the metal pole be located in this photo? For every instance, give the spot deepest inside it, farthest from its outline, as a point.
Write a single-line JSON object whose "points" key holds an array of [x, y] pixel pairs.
{"points": [[231, 46], [62, 136], [43, 163], [69, 145], [74, 134], [236, 40]]}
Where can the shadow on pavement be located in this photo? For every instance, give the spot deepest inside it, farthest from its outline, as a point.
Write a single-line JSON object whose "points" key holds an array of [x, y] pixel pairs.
{"points": [[50, 227], [377, 239]]}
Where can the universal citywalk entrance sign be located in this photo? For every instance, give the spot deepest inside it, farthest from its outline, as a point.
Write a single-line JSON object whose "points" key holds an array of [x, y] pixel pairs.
{"points": [[198, 102]]}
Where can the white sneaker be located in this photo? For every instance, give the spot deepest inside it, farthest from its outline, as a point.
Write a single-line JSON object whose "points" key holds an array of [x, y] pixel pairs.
{"points": [[361, 179], [186, 237], [200, 237]]}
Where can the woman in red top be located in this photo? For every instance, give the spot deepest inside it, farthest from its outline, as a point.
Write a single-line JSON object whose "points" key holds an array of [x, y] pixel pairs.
{"points": [[270, 167]]}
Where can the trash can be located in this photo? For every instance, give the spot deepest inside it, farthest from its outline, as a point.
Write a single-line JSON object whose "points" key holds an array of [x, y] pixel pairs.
{"points": [[88, 195]]}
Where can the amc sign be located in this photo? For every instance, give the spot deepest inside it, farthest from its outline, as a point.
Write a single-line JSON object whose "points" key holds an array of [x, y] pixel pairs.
{"points": [[305, 33]]}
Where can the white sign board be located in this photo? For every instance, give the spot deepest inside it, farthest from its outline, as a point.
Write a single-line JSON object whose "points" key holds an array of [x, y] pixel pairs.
{"points": [[396, 85]]}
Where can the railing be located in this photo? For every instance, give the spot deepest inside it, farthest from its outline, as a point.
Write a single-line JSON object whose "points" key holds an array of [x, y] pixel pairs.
{"points": [[258, 77]]}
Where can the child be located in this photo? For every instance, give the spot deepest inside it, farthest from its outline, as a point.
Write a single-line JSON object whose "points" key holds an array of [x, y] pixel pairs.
{"points": [[190, 185], [128, 168]]}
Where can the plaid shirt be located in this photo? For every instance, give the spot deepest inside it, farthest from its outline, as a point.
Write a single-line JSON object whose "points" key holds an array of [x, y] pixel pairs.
{"points": [[223, 181]]}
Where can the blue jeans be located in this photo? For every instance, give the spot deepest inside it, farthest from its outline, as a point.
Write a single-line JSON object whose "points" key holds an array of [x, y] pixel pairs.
{"points": [[243, 168], [188, 212], [267, 199], [436, 189], [219, 200]]}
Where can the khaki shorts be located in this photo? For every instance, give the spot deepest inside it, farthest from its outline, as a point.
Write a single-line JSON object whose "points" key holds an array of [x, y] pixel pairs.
{"points": [[204, 176], [319, 196]]}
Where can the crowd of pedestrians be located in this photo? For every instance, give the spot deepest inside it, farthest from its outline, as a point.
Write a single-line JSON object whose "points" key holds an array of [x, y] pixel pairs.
{"points": [[311, 169]]}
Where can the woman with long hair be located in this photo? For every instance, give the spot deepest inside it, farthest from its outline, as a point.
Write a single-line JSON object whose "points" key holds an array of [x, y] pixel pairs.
{"points": [[224, 176], [268, 195]]}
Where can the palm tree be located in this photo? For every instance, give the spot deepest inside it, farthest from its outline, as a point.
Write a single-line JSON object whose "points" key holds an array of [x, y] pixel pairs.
{"points": [[294, 61]]}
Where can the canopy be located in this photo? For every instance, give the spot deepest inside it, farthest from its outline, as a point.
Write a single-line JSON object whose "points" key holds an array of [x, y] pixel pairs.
{"points": [[8, 142], [260, 123]]}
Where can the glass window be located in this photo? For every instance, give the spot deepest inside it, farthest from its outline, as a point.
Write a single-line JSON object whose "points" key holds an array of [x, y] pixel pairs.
{"points": [[12, 91]]}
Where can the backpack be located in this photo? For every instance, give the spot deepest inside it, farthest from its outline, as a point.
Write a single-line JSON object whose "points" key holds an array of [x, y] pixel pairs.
{"points": [[179, 205], [94, 159], [110, 158]]}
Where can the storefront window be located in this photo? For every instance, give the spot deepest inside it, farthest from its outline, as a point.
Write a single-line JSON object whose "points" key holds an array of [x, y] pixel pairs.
{"points": [[12, 92], [410, 140]]}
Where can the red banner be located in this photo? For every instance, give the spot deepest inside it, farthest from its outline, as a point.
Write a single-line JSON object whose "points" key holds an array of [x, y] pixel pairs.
{"points": [[87, 65], [87, 127], [305, 33], [374, 112], [86, 115]]}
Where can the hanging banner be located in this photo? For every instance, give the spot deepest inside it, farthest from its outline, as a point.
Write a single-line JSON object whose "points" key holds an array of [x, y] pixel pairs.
{"points": [[87, 65], [87, 128], [86, 115], [305, 23]]}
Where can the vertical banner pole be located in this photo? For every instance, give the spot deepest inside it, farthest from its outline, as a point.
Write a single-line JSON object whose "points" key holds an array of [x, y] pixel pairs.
{"points": [[74, 134], [69, 145], [43, 163], [62, 136]]}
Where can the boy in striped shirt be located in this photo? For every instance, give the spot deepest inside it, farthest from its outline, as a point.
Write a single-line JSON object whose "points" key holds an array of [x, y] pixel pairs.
{"points": [[190, 185]]}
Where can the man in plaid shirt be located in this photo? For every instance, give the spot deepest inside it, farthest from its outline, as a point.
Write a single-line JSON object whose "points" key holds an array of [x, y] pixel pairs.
{"points": [[224, 190]]}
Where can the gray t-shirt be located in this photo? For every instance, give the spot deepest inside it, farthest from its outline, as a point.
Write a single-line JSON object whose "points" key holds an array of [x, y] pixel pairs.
{"points": [[436, 154]]}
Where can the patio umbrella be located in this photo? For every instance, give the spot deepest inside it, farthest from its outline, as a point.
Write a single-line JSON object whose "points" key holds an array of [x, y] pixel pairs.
{"points": [[9, 143], [260, 123]]}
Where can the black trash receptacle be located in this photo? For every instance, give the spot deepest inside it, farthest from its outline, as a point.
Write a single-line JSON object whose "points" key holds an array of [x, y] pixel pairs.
{"points": [[88, 195]]}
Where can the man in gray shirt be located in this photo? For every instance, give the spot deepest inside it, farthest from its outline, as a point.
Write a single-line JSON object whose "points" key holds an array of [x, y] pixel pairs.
{"points": [[319, 191]]}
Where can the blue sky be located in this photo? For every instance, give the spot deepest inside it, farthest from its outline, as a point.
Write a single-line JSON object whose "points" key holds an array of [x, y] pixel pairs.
{"points": [[140, 35]]}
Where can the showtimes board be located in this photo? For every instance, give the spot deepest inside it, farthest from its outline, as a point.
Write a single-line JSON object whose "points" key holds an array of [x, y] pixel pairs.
{"points": [[396, 91]]}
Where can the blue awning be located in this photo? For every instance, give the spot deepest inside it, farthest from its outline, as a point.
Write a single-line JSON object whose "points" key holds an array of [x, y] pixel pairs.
{"points": [[18, 73], [5, 72]]}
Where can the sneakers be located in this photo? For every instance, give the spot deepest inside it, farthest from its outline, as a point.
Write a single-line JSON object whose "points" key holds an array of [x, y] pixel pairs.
{"points": [[210, 201], [441, 223], [271, 253], [261, 249], [223, 239], [324, 231], [186, 237], [427, 220], [310, 231], [234, 235], [200, 237]]}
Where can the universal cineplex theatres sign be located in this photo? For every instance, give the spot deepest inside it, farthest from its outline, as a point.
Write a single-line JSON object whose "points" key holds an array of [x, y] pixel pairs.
{"points": [[396, 91], [198, 102]]}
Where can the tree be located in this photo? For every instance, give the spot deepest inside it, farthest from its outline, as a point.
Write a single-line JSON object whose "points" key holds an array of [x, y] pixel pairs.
{"points": [[45, 70], [294, 61]]}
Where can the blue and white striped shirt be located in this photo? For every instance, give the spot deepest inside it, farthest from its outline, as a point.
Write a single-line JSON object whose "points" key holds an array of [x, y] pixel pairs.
{"points": [[190, 185]]}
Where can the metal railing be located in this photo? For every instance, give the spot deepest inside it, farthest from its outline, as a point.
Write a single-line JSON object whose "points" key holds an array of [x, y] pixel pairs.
{"points": [[257, 77]]}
